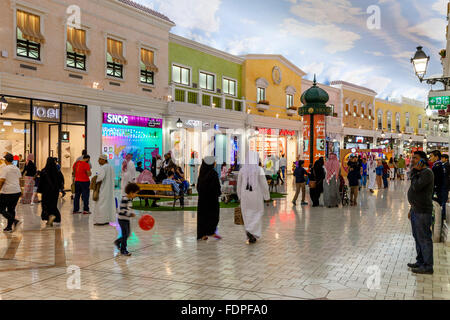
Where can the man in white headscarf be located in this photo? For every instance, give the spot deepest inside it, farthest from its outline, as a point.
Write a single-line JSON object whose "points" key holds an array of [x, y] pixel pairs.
{"points": [[105, 206], [371, 165], [252, 190]]}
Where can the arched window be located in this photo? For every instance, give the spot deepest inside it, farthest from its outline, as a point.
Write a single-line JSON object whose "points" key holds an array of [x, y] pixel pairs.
{"points": [[407, 119], [380, 119], [419, 122], [397, 122], [355, 108], [389, 121], [347, 107], [363, 110]]}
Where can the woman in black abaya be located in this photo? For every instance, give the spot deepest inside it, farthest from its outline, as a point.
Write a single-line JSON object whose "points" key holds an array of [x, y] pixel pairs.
{"points": [[209, 191], [50, 182]]}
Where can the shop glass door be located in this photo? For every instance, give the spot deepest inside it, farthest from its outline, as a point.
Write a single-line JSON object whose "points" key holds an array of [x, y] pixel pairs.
{"points": [[46, 142]]}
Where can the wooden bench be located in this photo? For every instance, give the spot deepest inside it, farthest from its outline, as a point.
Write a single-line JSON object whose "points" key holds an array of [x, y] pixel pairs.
{"points": [[160, 190]]}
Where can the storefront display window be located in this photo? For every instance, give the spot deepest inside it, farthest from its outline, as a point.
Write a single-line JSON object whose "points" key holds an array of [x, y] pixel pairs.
{"points": [[123, 134], [36, 126]]}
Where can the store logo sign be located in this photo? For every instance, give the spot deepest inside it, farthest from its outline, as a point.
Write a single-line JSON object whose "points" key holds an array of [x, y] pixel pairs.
{"points": [[46, 113], [285, 132], [117, 119]]}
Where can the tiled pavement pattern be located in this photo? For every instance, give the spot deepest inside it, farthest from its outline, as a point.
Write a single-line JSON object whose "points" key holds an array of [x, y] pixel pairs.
{"points": [[305, 253]]}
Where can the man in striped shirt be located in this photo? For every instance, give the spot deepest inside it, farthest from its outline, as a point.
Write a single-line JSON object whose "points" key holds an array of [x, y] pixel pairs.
{"points": [[125, 213]]}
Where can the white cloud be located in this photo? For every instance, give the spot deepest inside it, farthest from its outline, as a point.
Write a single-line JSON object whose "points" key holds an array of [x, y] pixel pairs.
{"points": [[329, 11], [337, 39], [246, 45], [190, 14], [248, 21], [314, 68], [375, 53], [440, 6], [433, 29]]}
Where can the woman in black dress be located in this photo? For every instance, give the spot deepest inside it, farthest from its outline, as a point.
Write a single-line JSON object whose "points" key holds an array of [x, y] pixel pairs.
{"points": [[209, 191], [50, 182]]}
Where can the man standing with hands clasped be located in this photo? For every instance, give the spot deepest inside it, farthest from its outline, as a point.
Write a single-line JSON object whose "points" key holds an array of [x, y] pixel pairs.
{"points": [[420, 196]]}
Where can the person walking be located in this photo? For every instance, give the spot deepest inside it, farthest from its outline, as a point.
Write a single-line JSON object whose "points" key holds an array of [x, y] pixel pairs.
{"points": [[371, 172], [401, 167], [364, 173], [50, 182], [379, 172], [29, 171], [316, 181], [10, 192], [440, 180], [354, 175], [386, 172], [331, 195], [128, 171], [81, 172], [252, 190], [391, 165], [420, 194], [300, 181], [208, 208], [124, 216], [283, 165], [105, 206]]}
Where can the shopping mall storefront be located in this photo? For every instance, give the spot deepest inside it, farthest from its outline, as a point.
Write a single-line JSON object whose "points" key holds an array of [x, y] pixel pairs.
{"points": [[123, 134], [45, 129]]}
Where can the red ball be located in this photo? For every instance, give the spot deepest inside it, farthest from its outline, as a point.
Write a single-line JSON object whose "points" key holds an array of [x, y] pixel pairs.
{"points": [[146, 222]]}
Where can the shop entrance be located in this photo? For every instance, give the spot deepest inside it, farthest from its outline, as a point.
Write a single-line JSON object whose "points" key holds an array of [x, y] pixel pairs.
{"points": [[46, 142]]}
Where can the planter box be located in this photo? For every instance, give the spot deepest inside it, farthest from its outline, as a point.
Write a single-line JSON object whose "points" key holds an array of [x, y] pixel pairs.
{"points": [[262, 107], [291, 112]]}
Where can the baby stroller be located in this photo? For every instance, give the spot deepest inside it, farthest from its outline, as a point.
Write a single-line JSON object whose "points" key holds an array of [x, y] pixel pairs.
{"points": [[343, 189]]}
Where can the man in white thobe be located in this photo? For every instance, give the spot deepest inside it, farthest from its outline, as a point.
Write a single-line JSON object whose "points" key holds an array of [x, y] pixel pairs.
{"points": [[371, 165], [105, 207], [128, 172], [252, 190]]}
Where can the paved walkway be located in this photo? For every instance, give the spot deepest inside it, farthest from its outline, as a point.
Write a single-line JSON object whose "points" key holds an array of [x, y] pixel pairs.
{"points": [[305, 253]]}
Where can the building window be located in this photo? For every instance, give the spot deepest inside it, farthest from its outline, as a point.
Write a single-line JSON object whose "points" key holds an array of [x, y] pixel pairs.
{"points": [[427, 127], [76, 49], [148, 67], [419, 120], [389, 121], [347, 109], [181, 75], [362, 112], [28, 35], [407, 120], [261, 94], [380, 120], [206, 81], [397, 122], [115, 58], [355, 110], [229, 87], [289, 100]]}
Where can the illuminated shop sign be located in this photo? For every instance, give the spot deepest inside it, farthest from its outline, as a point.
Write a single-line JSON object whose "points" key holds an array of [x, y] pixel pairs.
{"points": [[285, 132], [46, 113], [359, 139], [135, 121]]}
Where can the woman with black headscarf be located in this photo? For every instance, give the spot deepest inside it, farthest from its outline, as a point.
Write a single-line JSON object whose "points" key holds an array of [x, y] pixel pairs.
{"points": [[50, 182], [317, 176], [209, 191]]}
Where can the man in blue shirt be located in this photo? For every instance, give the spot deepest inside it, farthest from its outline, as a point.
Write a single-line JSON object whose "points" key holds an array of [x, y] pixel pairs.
{"points": [[176, 187]]}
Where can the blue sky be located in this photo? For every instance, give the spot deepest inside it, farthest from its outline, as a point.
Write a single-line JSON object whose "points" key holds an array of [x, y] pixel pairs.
{"points": [[327, 37]]}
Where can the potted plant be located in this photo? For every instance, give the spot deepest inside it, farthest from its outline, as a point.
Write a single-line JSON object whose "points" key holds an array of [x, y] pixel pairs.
{"points": [[443, 53], [262, 105]]}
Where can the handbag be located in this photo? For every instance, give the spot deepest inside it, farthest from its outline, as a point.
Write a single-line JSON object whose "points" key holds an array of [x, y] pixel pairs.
{"points": [[238, 219], [95, 186]]}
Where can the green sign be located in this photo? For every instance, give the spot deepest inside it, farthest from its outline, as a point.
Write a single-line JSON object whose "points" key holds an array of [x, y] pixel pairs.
{"points": [[439, 103]]}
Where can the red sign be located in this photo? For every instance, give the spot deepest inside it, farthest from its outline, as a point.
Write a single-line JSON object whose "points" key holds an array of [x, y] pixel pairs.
{"points": [[306, 139], [285, 132], [319, 136]]}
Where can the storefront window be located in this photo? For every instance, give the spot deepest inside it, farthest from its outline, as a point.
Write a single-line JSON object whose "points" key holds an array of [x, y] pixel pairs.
{"points": [[72, 138], [46, 111], [18, 108], [73, 114], [15, 137]]}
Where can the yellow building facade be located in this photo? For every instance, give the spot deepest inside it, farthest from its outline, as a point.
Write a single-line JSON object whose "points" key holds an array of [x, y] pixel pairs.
{"points": [[272, 88]]}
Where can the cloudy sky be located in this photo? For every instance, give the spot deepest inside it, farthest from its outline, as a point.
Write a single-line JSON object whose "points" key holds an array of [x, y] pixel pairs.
{"points": [[336, 39]]}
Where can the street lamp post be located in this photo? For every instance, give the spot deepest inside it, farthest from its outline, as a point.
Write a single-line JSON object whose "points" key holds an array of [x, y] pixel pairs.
{"points": [[420, 64]]}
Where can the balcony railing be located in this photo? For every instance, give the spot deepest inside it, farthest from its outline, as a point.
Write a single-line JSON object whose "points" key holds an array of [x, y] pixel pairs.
{"points": [[206, 98]]}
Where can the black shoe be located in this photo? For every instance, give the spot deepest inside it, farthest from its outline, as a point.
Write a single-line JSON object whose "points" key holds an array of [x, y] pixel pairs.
{"points": [[8, 230], [422, 270], [413, 265], [251, 238], [16, 223], [125, 253], [155, 205], [117, 244]]}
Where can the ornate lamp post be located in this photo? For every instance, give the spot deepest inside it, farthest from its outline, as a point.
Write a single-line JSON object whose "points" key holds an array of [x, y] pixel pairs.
{"points": [[314, 110]]}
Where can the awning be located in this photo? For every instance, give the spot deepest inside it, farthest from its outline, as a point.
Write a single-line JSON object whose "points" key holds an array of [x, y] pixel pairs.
{"points": [[115, 49], [147, 58], [77, 39], [30, 26]]}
